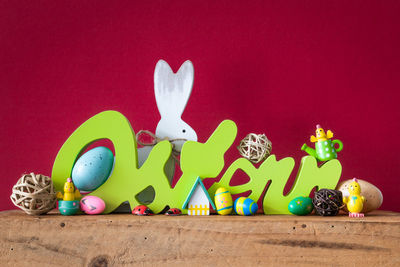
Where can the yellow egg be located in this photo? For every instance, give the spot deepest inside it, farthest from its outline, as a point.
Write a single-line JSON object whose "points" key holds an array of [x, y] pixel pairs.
{"points": [[373, 196], [223, 201]]}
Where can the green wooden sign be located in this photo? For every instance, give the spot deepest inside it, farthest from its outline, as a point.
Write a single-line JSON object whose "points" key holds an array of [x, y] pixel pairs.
{"points": [[278, 172], [205, 160]]}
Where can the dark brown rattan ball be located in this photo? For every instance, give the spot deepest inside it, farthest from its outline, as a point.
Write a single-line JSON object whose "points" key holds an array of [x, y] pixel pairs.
{"points": [[328, 202]]}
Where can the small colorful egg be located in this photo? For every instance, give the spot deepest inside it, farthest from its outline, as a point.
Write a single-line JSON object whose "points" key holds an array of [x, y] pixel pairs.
{"points": [[92, 169], [92, 205], [223, 201], [373, 196], [245, 206], [68, 207], [300, 206]]}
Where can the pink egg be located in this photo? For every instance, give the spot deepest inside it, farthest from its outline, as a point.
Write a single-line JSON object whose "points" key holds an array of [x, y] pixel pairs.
{"points": [[92, 205]]}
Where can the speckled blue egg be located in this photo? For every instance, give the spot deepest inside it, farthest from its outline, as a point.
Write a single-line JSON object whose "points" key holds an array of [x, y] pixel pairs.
{"points": [[92, 169]]}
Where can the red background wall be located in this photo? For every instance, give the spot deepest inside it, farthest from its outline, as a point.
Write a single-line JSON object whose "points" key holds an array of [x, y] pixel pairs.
{"points": [[274, 67]]}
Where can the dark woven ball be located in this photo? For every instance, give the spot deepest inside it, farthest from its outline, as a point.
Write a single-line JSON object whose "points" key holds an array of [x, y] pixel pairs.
{"points": [[328, 202]]}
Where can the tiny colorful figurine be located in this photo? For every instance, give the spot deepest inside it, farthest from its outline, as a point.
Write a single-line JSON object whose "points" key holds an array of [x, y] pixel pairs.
{"points": [[223, 201], [198, 200], [373, 196], [92, 169], [300, 206], [67, 205], [92, 205], [355, 201], [142, 210], [173, 212], [69, 192], [324, 147], [245, 206]]}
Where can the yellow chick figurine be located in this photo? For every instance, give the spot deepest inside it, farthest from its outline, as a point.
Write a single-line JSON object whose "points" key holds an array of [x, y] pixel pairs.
{"points": [[355, 201], [321, 136], [69, 192]]}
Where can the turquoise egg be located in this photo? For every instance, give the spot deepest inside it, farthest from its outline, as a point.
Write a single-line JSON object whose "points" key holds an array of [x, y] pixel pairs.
{"points": [[92, 169], [245, 206], [300, 206], [68, 207]]}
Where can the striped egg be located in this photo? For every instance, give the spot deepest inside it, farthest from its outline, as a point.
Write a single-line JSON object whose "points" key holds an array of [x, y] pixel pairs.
{"points": [[223, 201], [245, 206]]}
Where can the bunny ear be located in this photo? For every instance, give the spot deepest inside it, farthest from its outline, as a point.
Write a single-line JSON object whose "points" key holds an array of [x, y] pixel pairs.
{"points": [[172, 90]]}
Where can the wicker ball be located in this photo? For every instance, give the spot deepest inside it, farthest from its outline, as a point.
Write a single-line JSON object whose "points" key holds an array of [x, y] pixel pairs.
{"points": [[34, 194], [255, 147], [328, 202]]}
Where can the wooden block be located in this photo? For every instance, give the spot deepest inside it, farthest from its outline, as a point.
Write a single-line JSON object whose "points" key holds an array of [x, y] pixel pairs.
{"points": [[117, 239]]}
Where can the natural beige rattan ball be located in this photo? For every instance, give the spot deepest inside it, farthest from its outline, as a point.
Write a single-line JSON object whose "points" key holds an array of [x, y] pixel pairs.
{"points": [[255, 147], [34, 194]]}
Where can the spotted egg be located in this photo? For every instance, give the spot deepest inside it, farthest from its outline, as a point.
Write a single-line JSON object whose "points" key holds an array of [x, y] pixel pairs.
{"points": [[92, 205], [92, 169], [245, 206], [223, 201], [300, 206]]}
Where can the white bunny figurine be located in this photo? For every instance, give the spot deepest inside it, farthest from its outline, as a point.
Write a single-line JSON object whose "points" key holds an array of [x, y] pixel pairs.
{"points": [[172, 91]]}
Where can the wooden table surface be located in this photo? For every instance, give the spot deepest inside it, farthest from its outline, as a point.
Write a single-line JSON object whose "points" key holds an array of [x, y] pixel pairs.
{"points": [[124, 239]]}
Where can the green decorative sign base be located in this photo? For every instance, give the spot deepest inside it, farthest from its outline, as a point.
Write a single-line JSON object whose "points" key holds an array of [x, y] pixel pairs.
{"points": [[205, 160]]}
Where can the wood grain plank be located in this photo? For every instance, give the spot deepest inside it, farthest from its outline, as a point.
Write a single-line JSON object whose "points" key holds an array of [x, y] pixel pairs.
{"points": [[124, 239]]}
